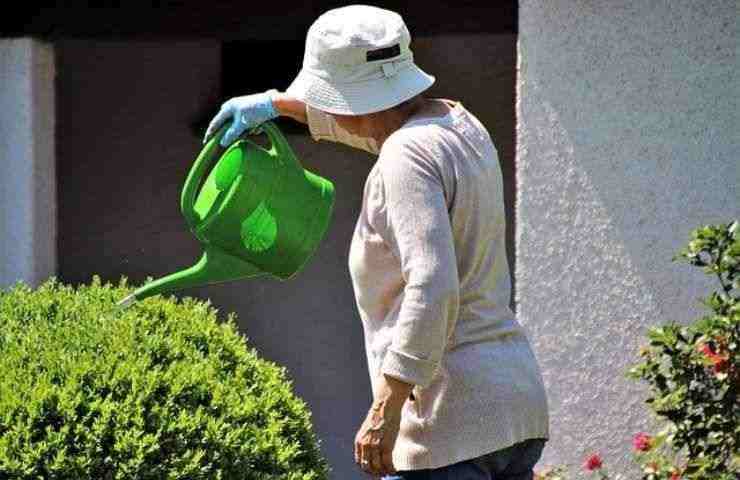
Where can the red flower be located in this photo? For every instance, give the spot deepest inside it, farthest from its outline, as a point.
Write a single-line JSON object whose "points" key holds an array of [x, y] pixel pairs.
{"points": [[706, 349], [719, 360], [642, 442], [720, 365], [675, 476], [593, 462]]}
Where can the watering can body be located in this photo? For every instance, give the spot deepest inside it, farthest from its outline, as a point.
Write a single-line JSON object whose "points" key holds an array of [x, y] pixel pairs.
{"points": [[257, 212]]}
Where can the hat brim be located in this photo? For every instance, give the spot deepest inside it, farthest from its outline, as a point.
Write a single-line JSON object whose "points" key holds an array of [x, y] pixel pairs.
{"points": [[359, 98]]}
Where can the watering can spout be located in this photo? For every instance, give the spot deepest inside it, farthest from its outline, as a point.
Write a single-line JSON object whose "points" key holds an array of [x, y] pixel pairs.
{"points": [[215, 266]]}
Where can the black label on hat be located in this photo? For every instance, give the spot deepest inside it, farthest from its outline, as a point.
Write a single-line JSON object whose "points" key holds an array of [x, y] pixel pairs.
{"points": [[382, 53]]}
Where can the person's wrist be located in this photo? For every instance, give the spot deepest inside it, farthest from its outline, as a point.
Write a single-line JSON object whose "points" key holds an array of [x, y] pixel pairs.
{"points": [[287, 105], [393, 391], [282, 102]]}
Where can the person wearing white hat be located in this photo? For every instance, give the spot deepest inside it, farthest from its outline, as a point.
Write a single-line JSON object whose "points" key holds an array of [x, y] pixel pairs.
{"points": [[457, 389]]}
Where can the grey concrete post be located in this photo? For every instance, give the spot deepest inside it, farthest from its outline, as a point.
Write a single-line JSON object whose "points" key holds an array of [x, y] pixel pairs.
{"points": [[27, 170]]}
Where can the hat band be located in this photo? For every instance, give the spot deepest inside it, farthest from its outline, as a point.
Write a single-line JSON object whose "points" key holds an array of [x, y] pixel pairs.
{"points": [[362, 73]]}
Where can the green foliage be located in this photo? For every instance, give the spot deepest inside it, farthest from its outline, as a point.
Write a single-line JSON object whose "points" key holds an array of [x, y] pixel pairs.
{"points": [[693, 371], [161, 390]]}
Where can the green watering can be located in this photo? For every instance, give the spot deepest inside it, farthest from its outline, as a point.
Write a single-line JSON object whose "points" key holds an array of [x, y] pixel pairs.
{"points": [[258, 212]]}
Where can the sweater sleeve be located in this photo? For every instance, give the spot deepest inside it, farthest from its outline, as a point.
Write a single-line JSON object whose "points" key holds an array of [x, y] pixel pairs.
{"points": [[419, 232]]}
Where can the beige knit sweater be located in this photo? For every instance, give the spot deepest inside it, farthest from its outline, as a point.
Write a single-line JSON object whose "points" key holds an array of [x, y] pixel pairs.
{"points": [[431, 281]]}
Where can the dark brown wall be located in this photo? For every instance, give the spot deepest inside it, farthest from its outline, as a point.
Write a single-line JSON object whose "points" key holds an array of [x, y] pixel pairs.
{"points": [[126, 143], [239, 20]]}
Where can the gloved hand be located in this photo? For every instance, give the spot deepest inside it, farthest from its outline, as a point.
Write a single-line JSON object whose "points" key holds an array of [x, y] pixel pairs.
{"points": [[248, 112]]}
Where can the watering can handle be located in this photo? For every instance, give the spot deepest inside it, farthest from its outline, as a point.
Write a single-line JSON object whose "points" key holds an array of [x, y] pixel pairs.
{"points": [[279, 142], [197, 172], [211, 151]]}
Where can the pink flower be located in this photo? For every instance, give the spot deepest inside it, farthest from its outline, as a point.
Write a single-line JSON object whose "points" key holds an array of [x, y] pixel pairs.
{"points": [[642, 442], [593, 462], [675, 476]]}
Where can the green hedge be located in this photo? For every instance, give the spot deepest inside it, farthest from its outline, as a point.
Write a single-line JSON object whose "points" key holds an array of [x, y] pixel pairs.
{"points": [[161, 390]]}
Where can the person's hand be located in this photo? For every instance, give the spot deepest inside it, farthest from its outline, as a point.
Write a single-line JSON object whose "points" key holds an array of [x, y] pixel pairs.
{"points": [[248, 112], [375, 440]]}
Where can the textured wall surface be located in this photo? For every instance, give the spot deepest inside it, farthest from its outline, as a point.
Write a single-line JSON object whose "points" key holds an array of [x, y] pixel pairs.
{"points": [[626, 140], [27, 185], [120, 214]]}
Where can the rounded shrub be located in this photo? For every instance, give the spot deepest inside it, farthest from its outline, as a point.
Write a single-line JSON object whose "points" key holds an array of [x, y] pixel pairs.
{"points": [[161, 390]]}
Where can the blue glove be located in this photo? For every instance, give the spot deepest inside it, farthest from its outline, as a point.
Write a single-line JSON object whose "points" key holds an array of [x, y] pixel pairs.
{"points": [[248, 112]]}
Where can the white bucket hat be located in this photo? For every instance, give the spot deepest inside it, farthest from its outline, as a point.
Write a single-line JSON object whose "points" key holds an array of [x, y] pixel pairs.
{"points": [[357, 60]]}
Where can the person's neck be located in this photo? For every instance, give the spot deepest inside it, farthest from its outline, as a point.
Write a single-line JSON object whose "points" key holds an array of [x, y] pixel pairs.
{"points": [[394, 119]]}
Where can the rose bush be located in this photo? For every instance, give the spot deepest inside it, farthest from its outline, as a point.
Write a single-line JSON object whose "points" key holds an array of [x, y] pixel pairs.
{"points": [[693, 374]]}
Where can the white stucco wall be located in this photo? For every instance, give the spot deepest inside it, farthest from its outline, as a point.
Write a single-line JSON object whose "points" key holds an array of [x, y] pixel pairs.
{"points": [[626, 140], [27, 173]]}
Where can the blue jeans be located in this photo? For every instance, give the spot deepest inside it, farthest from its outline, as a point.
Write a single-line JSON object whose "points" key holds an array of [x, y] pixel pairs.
{"points": [[513, 463]]}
